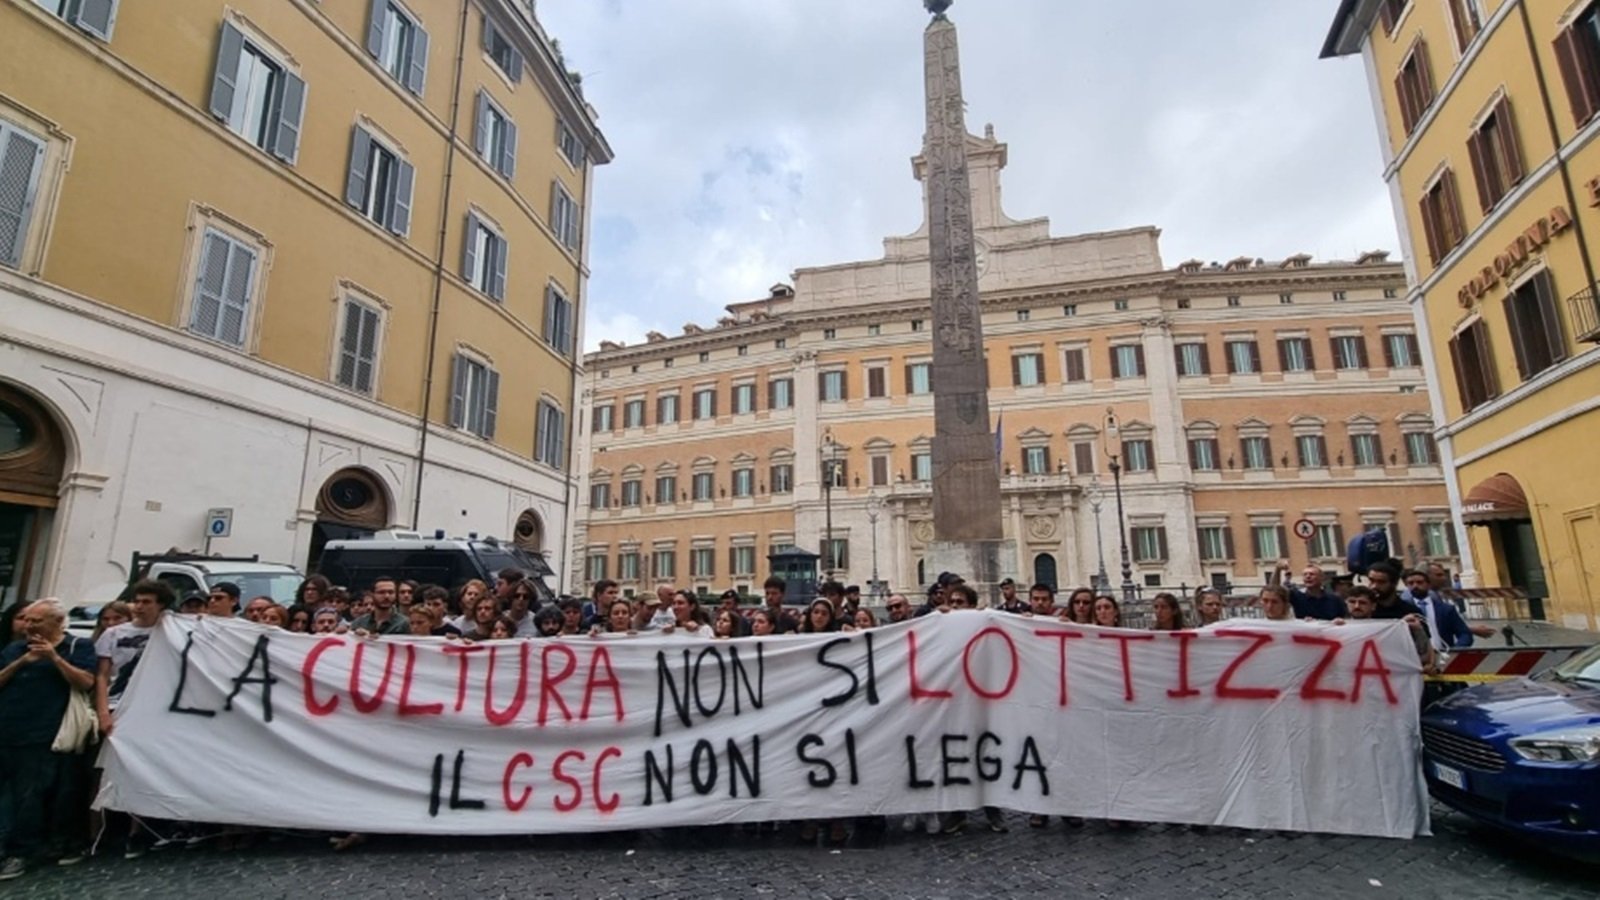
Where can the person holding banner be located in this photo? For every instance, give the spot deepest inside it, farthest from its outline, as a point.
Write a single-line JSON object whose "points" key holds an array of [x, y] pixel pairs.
{"points": [[1080, 607], [819, 617], [619, 617], [1168, 615], [1041, 600], [772, 590], [119, 651], [899, 608], [1275, 603], [1207, 607], [1107, 614]]}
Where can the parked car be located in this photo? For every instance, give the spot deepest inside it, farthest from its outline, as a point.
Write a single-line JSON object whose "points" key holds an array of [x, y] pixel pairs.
{"points": [[1523, 755], [188, 573], [450, 562]]}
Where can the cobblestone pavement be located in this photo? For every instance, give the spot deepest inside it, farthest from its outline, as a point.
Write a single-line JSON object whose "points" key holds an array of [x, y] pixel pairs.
{"points": [[1460, 862]]}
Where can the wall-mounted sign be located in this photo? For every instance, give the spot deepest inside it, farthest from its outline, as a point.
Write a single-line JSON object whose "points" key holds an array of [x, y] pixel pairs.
{"points": [[1516, 254]]}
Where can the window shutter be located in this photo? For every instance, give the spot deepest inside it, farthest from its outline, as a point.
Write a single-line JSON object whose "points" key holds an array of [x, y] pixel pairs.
{"points": [[1388, 351], [1338, 538], [1455, 224], [1255, 542], [469, 250], [20, 156], [417, 73], [1283, 540], [458, 390], [1361, 351], [400, 201], [1458, 362], [1415, 349], [1233, 364], [1205, 358], [1283, 355], [1227, 542], [1518, 327], [497, 287], [355, 185], [1083, 458], [516, 66], [1255, 356], [1487, 377], [1138, 359], [1480, 170], [229, 46], [1408, 115], [375, 20], [1424, 78], [489, 32], [1550, 314], [1580, 84], [367, 349], [206, 314], [549, 315], [1311, 356], [1377, 448], [1161, 543], [236, 293], [1016, 371], [508, 152], [1116, 369], [349, 344], [480, 133], [1430, 226], [96, 17], [1194, 462], [291, 108], [1075, 367], [1508, 134], [491, 403]]}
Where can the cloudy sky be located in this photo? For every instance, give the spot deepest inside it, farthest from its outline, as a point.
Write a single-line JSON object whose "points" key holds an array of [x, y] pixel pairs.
{"points": [[754, 137]]}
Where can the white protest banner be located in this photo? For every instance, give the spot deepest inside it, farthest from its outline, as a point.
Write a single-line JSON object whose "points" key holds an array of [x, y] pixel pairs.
{"points": [[1254, 724]]}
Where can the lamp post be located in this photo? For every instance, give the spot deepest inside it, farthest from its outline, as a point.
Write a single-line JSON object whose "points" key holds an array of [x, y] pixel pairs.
{"points": [[1095, 494], [1113, 446], [830, 460], [874, 507]]}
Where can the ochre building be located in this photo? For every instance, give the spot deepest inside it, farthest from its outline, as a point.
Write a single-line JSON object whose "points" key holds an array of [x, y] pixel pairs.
{"points": [[1487, 112], [1243, 396], [318, 263]]}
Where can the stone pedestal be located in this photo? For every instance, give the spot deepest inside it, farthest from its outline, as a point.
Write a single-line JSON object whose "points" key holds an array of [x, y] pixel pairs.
{"points": [[982, 564]]}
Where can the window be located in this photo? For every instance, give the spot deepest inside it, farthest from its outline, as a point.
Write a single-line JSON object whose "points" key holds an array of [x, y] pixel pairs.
{"points": [[1035, 460], [628, 566], [499, 48], [744, 482], [1120, 304], [1285, 299], [595, 567], [1083, 457], [633, 413], [1340, 296], [1414, 85], [600, 495], [1400, 351], [1183, 303], [922, 467], [1022, 315], [831, 386], [379, 183], [877, 382], [1328, 542], [1266, 541], [1420, 449], [1149, 544], [1442, 224], [744, 399], [1438, 540], [1390, 293], [1203, 453], [705, 356], [1074, 366], [1474, 365], [839, 470], [565, 217], [782, 478], [1366, 450], [1389, 13], [780, 393], [259, 99], [919, 378], [705, 403], [632, 492], [829, 334], [474, 396], [1127, 361], [558, 330], [1244, 357], [742, 350], [1216, 543], [666, 410], [1294, 355], [1027, 370], [1535, 324], [94, 16], [1193, 359], [666, 489], [741, 561], [1496, 160], [1349, 352], [223, 289], [1312, 450], [1578, 53], [399, 44], [916, 324], [1137, 456], [664, 564], [569, 144], [21, 165], [603, 419], [780, 344], [1256, 452], [836, 554], [550, 448], [880, 470], [484, 262], [704, 486], [1069, 310], [358, 347]]}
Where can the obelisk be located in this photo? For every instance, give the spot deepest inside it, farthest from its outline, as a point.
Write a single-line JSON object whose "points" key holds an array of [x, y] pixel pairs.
{"points": [[966, 478]]}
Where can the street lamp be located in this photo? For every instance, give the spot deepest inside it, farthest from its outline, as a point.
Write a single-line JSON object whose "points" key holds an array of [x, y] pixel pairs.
{"points": [[830, 462], [1095, 494], [874, 507], [1113, 446]]}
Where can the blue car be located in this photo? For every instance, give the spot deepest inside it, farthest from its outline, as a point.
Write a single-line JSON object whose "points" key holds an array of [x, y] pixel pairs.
{"points": [[1524, 755]]}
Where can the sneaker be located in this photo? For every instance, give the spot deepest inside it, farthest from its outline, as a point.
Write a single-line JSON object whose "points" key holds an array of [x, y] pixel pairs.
{"points": [[931, 823], [953, 824], [911, 823], [134, 851], [72, 857], [997, 821], [13, 868], [163, 843]]}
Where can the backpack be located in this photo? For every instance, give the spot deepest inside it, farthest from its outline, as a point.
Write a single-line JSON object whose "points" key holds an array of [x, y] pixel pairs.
{"points": [[1367, 548]]}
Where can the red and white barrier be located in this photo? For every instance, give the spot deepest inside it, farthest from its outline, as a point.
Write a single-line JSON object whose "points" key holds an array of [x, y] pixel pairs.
{"points": [[1476, 666]]}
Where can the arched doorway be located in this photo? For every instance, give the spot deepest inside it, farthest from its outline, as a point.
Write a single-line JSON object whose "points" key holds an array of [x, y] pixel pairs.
{"points": [[33, 455], [1044, 570], [529, 532], [351, 504]]}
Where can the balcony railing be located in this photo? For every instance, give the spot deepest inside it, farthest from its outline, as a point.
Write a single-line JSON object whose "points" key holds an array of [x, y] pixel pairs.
{"points": [[1584, 307]]}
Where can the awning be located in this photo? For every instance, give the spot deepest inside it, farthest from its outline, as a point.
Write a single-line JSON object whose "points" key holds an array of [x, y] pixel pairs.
{"points": [[1495, 499]]}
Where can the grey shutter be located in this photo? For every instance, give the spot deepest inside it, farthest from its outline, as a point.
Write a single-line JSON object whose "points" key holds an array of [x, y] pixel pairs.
{"points": [[209, 285], [550, 315], [508, 152], [375, 20], [458, 390], [574, 225], [400, 200], [96, 17], [497, 285], [488, 33], [491, 403], [480, 138], [236, 294], [291, 107], [20, 158], [417, 72], [349, 345], [355, 185], [469, 249], [230, 45], [367, 350], [516, 66]]}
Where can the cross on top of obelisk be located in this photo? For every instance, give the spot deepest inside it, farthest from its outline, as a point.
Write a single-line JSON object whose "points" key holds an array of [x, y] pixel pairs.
{"points": [[937, 7]]}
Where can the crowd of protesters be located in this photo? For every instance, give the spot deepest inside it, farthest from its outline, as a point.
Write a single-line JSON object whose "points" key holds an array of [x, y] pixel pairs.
{"points": [[45, 794]]}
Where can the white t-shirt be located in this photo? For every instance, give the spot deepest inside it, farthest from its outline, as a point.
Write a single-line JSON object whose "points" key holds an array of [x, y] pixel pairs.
{"points": [[123, 645]]}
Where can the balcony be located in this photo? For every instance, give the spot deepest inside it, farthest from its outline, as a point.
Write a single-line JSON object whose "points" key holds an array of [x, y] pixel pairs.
{"points": [[1584, 308]]}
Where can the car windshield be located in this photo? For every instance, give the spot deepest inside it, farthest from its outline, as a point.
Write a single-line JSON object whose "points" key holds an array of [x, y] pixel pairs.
{"points": [[495, 557], [1583, 667], [280, 586]]}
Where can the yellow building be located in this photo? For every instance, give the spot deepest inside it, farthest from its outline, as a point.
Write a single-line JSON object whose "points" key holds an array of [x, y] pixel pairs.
{"points": [[1487, 111], [1249, 395], [279, 256]]}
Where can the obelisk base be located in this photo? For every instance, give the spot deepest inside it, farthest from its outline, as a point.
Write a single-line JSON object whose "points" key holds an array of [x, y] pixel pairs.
{"points": [[981, 564]]}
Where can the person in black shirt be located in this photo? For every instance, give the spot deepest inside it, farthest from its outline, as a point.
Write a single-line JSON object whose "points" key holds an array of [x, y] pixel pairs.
{"points": [[1384, 578]]}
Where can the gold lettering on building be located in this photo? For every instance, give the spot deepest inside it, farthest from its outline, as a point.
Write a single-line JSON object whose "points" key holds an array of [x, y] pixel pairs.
{"points": [[1516, 254]]}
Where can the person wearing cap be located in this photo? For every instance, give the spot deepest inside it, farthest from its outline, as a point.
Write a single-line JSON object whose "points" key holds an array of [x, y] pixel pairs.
{"points": [[1009, 601], [193, 603], [655, 612], [729, 601], [223, 600]]}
